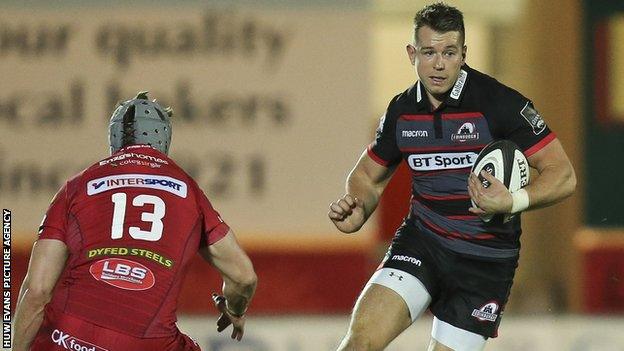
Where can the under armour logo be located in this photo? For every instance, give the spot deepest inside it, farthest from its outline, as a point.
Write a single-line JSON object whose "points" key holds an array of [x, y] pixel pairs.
{"points": [[400, 277]]}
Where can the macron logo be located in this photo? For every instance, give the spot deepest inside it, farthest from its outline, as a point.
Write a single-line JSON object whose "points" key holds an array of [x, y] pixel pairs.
{"points": [[172, 185], [409, 259], [414, 133]]}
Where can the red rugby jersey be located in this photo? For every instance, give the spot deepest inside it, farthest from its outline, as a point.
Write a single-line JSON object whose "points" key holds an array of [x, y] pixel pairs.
{"points": [[132, 222]]}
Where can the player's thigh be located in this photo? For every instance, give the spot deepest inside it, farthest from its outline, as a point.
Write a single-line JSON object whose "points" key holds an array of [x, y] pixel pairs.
{"points": [[389, 303], [380, 314]]}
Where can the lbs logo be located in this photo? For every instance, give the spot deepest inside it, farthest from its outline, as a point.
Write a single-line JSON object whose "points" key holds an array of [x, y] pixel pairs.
{"points": [[69, 342], [123, 274]]}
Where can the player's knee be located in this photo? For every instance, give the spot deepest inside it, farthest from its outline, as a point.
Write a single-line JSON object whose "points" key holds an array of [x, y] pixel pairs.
{"points": [[356, 344], [360, 340], [436, 346], [353, 344]]}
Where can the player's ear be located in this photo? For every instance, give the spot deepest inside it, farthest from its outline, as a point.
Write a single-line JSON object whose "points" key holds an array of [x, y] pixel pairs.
{"points": [[464, 50], [411, 53]]}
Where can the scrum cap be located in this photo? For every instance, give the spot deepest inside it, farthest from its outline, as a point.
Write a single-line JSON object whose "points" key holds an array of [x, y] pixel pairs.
{"points": [[140, 121]]}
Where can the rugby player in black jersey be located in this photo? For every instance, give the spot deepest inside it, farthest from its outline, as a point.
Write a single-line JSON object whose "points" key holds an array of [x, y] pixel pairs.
{"points": [[444, 257]]}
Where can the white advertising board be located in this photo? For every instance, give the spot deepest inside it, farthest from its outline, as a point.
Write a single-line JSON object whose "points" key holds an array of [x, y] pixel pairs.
{"points": [[271, 104]]}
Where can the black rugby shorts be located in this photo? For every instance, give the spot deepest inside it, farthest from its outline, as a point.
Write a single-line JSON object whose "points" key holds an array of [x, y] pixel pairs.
{"points": [[468, 292]]}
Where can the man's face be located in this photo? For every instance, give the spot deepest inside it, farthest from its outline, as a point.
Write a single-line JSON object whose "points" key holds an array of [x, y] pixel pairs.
{"points": [[437, 58]]}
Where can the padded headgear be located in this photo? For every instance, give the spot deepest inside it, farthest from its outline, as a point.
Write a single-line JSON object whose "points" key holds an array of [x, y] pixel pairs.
{"points": [[140, 121]]}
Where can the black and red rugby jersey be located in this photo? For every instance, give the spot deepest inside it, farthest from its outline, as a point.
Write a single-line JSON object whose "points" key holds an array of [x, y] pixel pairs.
{"points": [[440, 148]]}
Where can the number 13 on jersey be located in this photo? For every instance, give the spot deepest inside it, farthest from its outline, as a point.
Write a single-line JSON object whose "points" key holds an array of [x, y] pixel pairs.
{"points": [[155, 217]]}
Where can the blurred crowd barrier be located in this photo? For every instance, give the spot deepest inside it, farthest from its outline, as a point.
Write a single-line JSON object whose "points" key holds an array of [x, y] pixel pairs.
{"points": [[539, 333]]}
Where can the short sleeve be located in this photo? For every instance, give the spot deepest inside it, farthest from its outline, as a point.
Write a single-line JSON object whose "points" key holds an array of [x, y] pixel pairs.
{"points": [[522, 124], [214, 228], [384, 149], [54, 223]]}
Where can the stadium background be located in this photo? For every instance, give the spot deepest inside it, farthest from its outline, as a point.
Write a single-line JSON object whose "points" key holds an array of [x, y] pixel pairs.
{"points": [[274, 102]]}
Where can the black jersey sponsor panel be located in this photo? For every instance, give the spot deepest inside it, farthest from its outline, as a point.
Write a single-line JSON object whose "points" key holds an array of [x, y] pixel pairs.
{"points": [[456, 241], [415, 130], [457, 131], [466, 128], [464, 226], [446, 207], [451, 183], [444, 185], [441, 161]]}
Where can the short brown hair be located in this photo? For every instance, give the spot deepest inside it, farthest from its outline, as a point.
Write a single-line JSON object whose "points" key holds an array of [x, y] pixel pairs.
{"points": [[441, 18]]}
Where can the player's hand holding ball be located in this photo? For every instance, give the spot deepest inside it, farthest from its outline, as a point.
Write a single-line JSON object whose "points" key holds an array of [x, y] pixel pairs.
{"points": [[496, 180], [347, 213], [493, 199]]}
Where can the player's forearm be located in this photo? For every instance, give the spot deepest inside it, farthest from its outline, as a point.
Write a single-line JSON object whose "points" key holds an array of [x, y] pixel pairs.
{"points": [[360, 185], [238, 293], [28, 318], [553, 184]]}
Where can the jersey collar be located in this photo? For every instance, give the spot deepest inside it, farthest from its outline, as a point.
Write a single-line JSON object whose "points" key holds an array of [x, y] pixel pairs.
{"points": [[141, 147], [422, 101], [454, 97]]}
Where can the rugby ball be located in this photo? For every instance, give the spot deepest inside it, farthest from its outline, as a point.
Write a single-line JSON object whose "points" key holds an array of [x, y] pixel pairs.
{"points": [[504, 160]]}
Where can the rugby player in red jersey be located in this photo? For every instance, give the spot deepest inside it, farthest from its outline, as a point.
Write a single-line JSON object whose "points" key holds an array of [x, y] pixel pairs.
{"points": [[113, 248]]}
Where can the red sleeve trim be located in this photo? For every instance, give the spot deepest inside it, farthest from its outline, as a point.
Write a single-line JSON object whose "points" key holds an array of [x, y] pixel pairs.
{"points": [[540, 144], [217, 233], [376, 157], [52, 233]]}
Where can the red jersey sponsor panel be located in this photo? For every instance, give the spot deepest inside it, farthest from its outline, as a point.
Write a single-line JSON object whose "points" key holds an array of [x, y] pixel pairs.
{"points": [[131, 222]]}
